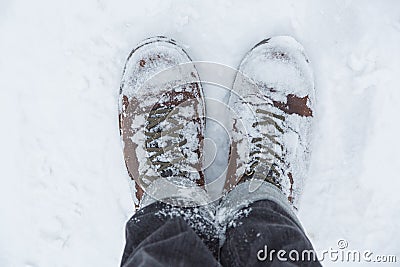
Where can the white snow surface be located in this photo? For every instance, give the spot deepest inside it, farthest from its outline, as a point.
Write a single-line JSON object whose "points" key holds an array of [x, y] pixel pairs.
{"points": [[64, 191]]}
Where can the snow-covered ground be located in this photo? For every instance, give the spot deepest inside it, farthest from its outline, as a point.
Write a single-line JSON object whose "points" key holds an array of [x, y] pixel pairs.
{"points": [[64, 188]]}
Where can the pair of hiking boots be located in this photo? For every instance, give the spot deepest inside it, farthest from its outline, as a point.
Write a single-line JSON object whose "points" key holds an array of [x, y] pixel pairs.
{"points": [[162, 116]]}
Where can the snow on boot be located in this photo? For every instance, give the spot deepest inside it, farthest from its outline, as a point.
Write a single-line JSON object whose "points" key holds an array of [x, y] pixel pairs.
{"points": [[161, 116], [273, 95]]}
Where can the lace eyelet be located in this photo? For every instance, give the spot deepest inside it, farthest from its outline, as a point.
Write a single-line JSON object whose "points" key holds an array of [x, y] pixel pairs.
{"points": [[249, 172]]}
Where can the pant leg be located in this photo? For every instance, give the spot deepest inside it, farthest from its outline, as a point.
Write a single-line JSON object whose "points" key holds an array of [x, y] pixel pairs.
{"points": [[260, 224], [163, 235]]}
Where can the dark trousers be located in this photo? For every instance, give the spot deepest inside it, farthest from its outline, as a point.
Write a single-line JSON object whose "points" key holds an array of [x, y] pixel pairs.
{"points": [[163, 235]]}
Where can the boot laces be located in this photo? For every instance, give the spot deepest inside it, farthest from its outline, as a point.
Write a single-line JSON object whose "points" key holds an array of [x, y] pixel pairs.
{"points": [[157, 147], [267, 152]]}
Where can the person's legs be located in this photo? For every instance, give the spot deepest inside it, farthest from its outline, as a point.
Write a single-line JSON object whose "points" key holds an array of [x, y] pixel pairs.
{"points": [[163, 235], [262, 230], [162, 123], [273, 95], [270, 175]]}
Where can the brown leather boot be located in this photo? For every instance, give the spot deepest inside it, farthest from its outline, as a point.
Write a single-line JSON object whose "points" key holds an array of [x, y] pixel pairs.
{"points": [[161, 115], [273, 94]]}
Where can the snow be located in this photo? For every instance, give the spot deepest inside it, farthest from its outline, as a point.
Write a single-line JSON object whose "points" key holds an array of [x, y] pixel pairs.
{"points": [[65, 193]]}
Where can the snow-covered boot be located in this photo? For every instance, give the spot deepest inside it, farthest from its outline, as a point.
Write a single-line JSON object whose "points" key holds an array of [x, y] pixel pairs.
{"points": [[273, 95], [161, 116]]}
